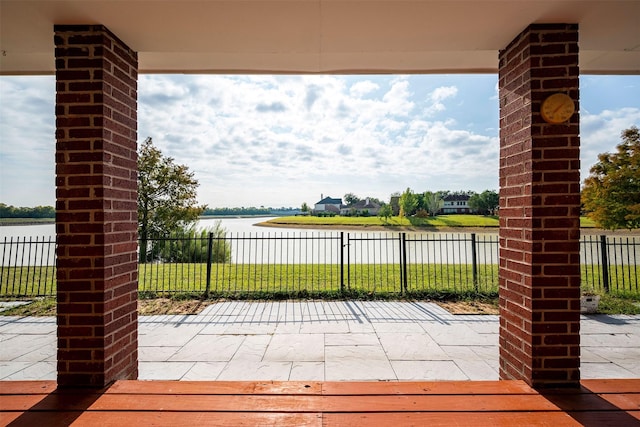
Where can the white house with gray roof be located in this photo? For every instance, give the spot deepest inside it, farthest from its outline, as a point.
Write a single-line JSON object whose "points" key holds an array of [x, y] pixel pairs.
{"points": [[328, 204]]}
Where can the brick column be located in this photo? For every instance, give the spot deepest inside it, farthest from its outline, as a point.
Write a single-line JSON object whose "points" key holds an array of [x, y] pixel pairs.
{"points": [[539, 210], [96, 209]]}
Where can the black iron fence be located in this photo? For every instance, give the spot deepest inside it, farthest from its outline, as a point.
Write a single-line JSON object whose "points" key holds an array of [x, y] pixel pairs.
{"points": [[313, 263]]}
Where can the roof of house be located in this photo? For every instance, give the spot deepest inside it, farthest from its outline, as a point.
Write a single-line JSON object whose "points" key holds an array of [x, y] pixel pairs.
{"points": [[329, 201], [365, 204], [456, 197]]}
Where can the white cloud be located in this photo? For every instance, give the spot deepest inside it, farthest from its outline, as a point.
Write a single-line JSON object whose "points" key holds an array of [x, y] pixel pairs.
{"points": [[442, 93], [438, 96], [284, 140], [362, 88], [601, 133]]}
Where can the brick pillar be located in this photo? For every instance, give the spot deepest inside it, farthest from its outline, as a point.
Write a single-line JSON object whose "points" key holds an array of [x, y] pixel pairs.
{"points": [[539, 210], [96, 209]]}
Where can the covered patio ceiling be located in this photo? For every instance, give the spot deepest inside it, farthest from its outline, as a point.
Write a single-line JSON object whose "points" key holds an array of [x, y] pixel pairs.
{"points": [[320, 36]]}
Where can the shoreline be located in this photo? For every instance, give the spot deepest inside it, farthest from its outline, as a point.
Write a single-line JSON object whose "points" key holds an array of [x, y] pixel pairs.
{"points": [[400, 228]]}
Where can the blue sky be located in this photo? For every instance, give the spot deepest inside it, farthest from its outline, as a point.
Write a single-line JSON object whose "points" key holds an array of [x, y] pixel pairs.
{"points": [[284, 140]]}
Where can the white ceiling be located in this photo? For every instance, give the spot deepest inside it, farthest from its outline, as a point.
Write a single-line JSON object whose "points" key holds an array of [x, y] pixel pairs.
{"points": [[320, 36]]}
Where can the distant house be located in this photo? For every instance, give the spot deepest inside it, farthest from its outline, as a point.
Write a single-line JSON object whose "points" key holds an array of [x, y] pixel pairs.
{"points": [[366, 205], [456, 204], [328, 204]]}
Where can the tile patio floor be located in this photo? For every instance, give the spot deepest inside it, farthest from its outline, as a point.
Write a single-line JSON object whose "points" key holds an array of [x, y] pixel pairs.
{"points": [[322, 341]]}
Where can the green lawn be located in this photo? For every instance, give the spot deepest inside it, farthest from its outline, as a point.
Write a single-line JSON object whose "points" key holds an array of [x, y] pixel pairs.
{"points": [[433, 222], [261, 280]]}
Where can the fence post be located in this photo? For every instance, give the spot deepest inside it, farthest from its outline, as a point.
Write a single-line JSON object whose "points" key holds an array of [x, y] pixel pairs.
{"points": [[474, 262], [348, 246], [342, 261], [403, 255], [209, 257], [605, 263]]}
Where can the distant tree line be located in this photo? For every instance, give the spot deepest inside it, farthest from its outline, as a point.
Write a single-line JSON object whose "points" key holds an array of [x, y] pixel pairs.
{"points": [[430, 203], [249, 211], [8, 211]]}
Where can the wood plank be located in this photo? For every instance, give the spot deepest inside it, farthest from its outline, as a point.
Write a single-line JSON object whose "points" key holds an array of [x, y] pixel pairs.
{"points": [[484, 403], [626, 401], [427, 387], [607, 419], [612, 385], [333, 388], [27, 387], [48, 419], [595, 402], [288, 403], [215, 387], [8, 417], [20, 402], [447, 419], [231, 419]]}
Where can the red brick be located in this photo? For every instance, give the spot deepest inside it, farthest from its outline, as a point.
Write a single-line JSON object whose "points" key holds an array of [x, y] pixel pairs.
{"points": [[539, 206], [100, 170]]}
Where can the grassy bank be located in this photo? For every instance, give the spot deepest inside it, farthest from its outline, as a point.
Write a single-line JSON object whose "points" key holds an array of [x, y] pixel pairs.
{"points": [[440, 221], [432, 222], [26, 221]]}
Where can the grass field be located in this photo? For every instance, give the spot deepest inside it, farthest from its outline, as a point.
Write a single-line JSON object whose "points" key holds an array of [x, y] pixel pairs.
{"points": [[260, 280]]}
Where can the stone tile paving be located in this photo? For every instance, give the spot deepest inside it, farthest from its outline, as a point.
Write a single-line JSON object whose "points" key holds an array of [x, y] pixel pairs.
{"points": [[317, 340]]}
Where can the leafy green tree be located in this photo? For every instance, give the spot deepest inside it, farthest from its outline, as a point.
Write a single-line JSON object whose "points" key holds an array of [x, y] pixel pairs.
{"points": [[408, 203], [485, 203], [611, 193], [351, 199], [385, 213], [305, 207], [433, 202], [166, 196]]}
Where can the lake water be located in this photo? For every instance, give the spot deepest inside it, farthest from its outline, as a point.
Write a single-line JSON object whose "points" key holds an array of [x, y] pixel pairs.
{"points": [[262, 245], [270, 245], [232, 225]]}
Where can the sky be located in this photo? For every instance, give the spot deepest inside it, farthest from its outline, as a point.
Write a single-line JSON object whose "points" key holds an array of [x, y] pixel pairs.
{"points": [[280, 141]]}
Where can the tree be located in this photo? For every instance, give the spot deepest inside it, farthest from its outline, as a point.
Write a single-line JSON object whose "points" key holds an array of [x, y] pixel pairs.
{"points": [[351, 199], [305, 207], [611, 193], [385, 213], [408, 203], [485, 203], [433, 202], [166, 195]]}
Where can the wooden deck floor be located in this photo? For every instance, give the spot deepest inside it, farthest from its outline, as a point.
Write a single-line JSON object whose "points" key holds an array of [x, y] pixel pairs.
{"points": [[478, 403]]}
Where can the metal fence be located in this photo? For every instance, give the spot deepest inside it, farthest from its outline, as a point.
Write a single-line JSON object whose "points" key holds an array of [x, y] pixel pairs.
{"points": [[316, 263]]}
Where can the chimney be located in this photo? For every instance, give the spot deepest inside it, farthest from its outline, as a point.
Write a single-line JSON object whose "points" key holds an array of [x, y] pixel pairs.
{"points": [[321, 196]]}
